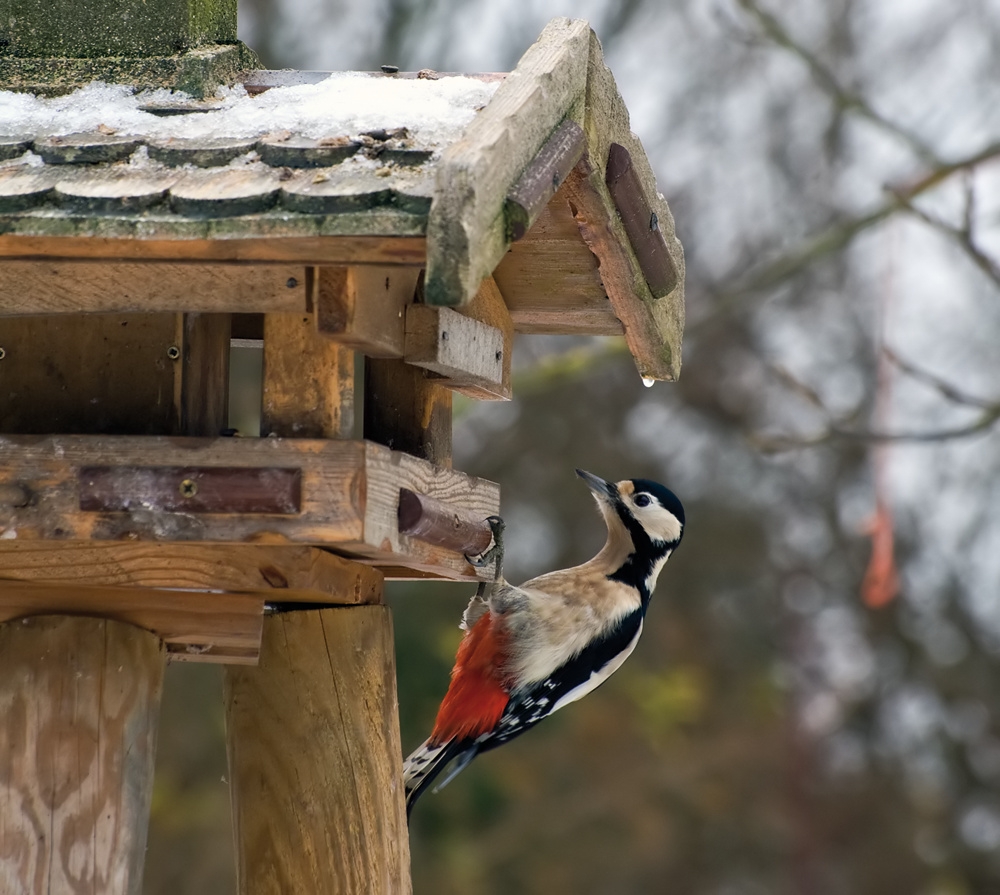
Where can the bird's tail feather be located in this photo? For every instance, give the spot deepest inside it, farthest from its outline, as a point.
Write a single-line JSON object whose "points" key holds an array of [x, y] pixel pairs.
{"points": [[427, 762]]}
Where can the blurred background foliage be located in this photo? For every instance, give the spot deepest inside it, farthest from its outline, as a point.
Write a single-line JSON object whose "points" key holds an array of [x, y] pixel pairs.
{"points": [[786, 725]]}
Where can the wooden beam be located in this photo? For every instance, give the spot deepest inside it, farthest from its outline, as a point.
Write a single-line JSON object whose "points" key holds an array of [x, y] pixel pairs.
{"points": [[200, 627], [204, 381], [315, 757], [640, 221], [551, 280], [80, 700], [430, 520], [308, 381], [310, 574], [406, 251], [364, 308], [407, 411], [350, 493], [653, 324], [540, 180], [466, 228], [67, 287], [487, 306], [466, 352]]}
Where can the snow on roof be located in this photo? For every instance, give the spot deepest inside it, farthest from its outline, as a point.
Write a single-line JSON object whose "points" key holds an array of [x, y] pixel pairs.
{"points": [[434, 112]]}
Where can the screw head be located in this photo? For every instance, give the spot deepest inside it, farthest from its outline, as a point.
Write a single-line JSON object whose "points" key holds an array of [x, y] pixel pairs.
{"points": [[173, 352], [3, 354], [292, 283], [188, 488]]}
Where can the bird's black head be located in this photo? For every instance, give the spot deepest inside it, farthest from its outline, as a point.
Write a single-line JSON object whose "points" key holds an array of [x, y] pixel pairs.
{"points": [[645, 524]]}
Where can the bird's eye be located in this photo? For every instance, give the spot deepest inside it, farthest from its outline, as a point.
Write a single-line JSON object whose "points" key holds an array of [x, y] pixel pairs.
{"points": [[642, 500]]}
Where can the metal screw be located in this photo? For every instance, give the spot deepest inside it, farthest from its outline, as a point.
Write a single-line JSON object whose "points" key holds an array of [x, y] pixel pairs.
{"points": [[188, 488], [292, 283], [444, 336], [555, 181], [3, 354], [390, 69], [499, 355], [173, 352], [654, 222]]}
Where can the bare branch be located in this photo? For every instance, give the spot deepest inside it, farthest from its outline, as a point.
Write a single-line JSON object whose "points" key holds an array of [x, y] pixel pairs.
{"points": [[943, 387], [845, 99]]}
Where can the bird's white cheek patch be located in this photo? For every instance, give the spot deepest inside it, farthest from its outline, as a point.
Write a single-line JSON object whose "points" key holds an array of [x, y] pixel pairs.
{"points": [[598, 677]]}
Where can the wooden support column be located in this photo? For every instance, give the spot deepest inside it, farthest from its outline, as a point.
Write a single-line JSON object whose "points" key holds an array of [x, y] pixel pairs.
{"points": [[80, 699], [315, 760]]}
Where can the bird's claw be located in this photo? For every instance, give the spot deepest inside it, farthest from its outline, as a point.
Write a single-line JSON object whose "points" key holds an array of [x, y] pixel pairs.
{"points": [[495, 552]]}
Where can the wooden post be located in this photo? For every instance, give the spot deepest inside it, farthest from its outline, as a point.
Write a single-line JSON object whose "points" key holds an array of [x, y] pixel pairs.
{"points": [[314, 757], [315, 760], [80, 699]]}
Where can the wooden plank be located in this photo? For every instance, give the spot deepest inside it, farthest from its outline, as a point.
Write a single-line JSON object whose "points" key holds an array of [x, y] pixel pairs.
{"points": [[190, 489], [66, 287], [204, 384], [105, 372], [487, 306], [80, 699], [466, 233], [364, 307], [551, 280], [540, 180], [430, 520], [277, 574], [350, 494], [640, 221], [653, 326], [201, 627], [407, 411], [406, 251], [462, 350], [308, 381], [327, 816]]}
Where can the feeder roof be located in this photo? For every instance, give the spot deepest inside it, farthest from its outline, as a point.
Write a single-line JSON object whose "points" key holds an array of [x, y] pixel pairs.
{"points": [[533, 177]]}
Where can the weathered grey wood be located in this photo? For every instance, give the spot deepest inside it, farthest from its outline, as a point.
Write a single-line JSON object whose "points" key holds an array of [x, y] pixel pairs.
{"points": [[196, 627], [114, 191], [540, 180], [227, 193], [487, 306], [23, 187], [80, 699], [466, 225], [12, 147], [407, 411], [464, 351], [364, 307], [308, 381], [287, 151], [66, 287], [203, 153], [339, 191], [328, 815], [87, 149], [640, 221], [350, 490], [653, 326]]}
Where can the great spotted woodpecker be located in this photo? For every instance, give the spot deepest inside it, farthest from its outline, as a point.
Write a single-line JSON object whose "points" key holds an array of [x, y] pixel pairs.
{"points": [[530, 650]]}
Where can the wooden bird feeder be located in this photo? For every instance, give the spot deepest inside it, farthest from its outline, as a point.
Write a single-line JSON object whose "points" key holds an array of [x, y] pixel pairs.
{"points": [[134, 530]]}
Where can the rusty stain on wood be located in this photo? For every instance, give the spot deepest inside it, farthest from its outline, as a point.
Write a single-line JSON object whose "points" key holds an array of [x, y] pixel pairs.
{"points": [[543, 176], [190, 489], [641, 223]]}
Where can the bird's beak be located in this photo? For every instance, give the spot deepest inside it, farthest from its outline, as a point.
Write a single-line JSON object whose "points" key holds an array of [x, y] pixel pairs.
{"points": [[598, 485]]}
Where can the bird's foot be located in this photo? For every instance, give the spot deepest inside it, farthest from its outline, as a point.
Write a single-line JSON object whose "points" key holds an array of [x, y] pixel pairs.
{"points": [[494, 553]]}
